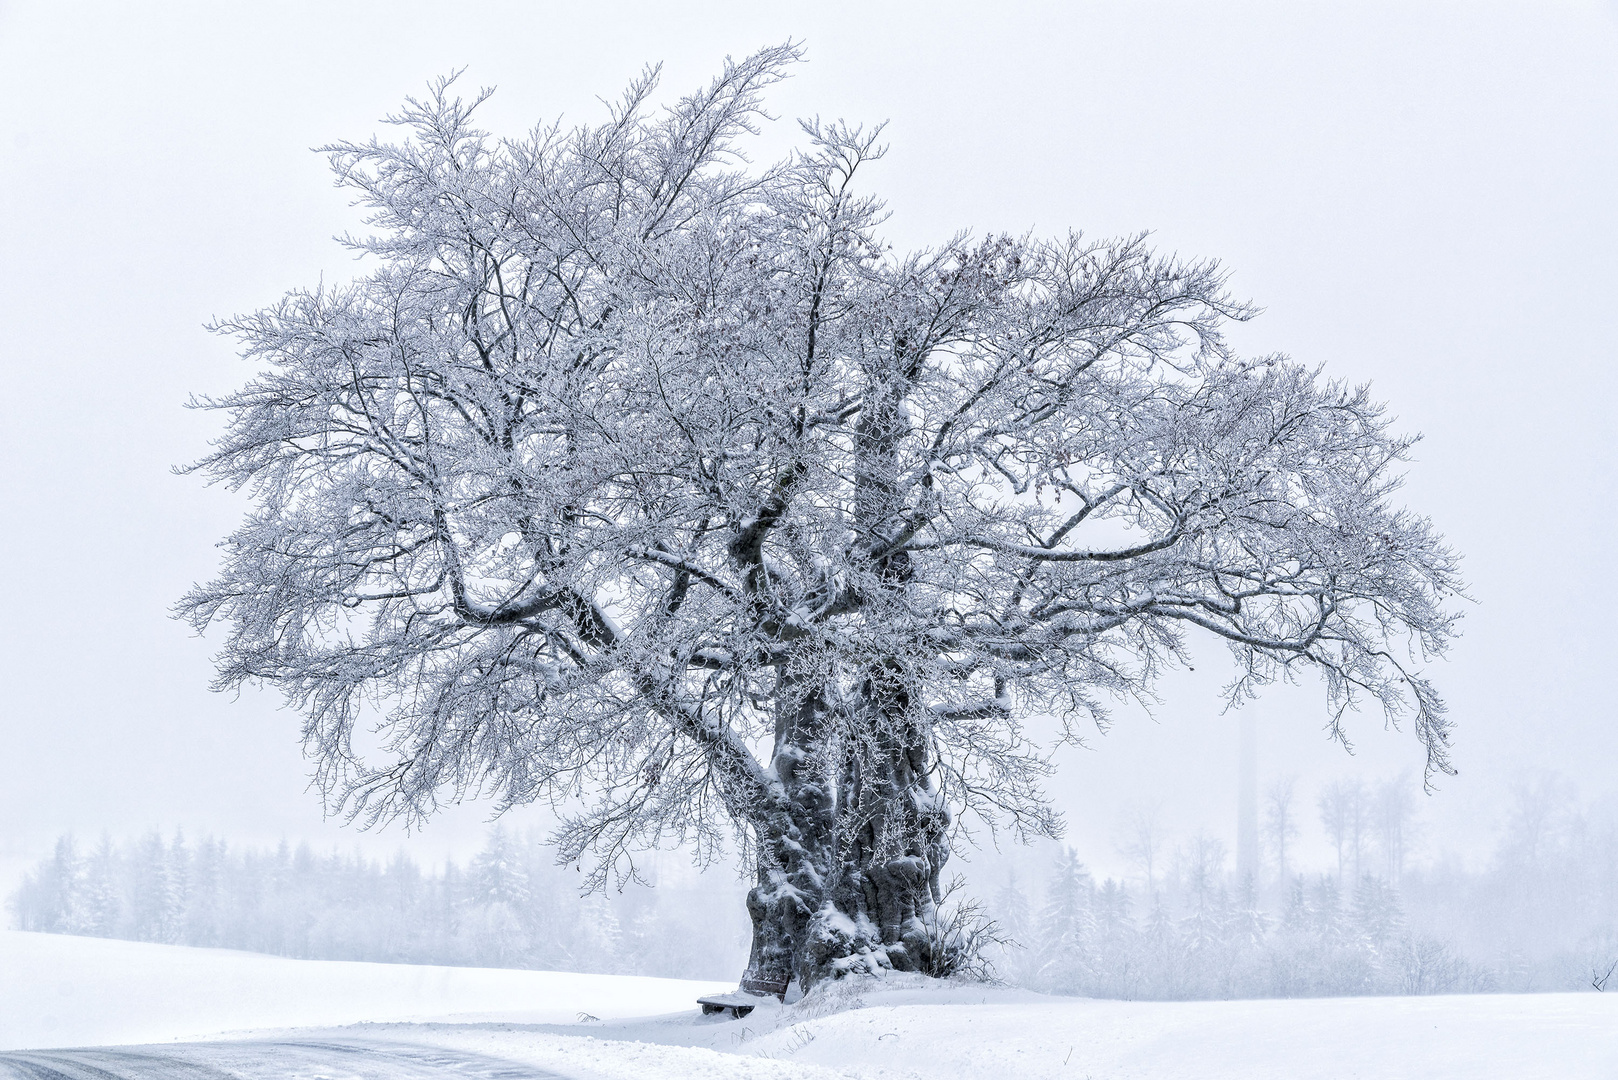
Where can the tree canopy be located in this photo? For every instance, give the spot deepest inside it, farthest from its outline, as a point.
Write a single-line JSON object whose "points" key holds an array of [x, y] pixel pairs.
{"points": [[658, 486]]}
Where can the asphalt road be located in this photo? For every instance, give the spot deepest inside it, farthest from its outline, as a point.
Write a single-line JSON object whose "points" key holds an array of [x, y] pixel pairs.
{"points": [[315, 1060]]}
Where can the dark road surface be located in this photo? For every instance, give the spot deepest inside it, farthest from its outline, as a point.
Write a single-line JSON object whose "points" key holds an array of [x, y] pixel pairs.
{"points": [[318, 1060]]}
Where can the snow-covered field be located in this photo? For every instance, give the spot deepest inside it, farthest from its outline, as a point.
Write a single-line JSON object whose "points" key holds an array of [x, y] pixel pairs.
{"points": [[57, 991]]}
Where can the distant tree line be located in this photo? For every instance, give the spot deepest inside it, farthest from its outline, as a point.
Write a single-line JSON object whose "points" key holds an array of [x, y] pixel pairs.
{"points": [[1540, 914], [1543, 910], [510, 906], [1209, 938]]}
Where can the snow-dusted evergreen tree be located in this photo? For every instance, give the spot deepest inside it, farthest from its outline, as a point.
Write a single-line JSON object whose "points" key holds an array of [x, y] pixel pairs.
{"points": [[1161, 954], [152, 893], [448, 908], [50, 899], [1012, 910], [103, 903], [1246, 944], [628, 470], [1376, 914], [497, 874], [596, 943], [498, 900], [410, 922], [1202, 930], [1291, 960], [1325, 908], [1066, 926], [1248, 922], [1115, 961], [1019, 960], [202, 913], [177, 885]]}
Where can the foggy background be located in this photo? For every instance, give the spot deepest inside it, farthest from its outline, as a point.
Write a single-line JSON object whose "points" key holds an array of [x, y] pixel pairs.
{"points": [[1423, 199]]}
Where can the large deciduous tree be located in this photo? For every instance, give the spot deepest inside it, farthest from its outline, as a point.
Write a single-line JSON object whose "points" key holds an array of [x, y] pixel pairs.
{"points": [[659, 487]]}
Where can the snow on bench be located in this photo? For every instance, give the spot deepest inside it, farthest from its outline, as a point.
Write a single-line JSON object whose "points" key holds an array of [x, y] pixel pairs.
{"points": [[741, 1001]]}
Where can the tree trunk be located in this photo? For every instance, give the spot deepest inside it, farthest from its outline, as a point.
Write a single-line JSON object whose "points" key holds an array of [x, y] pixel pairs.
{"points": [[796, 842], [848, 867], [878, 906], [881, 907]]}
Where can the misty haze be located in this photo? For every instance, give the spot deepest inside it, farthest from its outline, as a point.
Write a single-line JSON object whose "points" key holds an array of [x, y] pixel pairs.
{"points": [[875, 542]]}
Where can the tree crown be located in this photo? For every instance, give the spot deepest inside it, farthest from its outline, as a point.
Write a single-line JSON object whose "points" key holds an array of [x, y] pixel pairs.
{"points": [[621, 445]]}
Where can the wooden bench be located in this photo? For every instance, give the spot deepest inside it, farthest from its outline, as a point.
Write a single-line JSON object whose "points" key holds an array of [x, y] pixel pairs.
{"points": [[744, 999]]}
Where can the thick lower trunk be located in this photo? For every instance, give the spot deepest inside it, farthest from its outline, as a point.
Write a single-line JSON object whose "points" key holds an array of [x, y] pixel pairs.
{"points": [[882, 912], [793, 861], [796, 844], [849, 878]]}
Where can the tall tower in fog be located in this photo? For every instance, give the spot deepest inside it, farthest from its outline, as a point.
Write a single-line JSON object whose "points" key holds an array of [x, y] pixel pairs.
{"points": [[1247, 796]]}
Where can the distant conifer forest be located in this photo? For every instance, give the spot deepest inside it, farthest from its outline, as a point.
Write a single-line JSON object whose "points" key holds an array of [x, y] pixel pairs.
{"points": [[510, 906], [1538, 913]]}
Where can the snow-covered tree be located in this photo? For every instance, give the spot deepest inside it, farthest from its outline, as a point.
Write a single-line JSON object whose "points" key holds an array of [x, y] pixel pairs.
{"points": [[1206, 925], [1066, 926], [1343, 815], [1012, 912], [203, 908], [1392, 809], [177, 882], [497, 875], [1139, 836], [1280, 825], [1020, 956], [1375, 912], [498, 899], [1161, 953], [50, 898], [103, 892], [154, 892], [1117, 968], [632, 473], [1247, 922]]}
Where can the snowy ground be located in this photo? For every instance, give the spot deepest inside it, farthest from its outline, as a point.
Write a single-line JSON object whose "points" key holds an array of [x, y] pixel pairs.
{"points": [[57, 991]]}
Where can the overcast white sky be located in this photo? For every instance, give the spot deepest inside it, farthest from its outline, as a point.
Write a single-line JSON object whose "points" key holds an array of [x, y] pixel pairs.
{"points": [[1420, 195]]}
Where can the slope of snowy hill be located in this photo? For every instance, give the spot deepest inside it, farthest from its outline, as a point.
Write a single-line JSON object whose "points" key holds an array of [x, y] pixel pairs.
{"points": [[58, 991]]}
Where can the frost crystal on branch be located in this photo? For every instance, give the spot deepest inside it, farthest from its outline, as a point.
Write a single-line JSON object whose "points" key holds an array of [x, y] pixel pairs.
{"points": [[632, 475]]}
